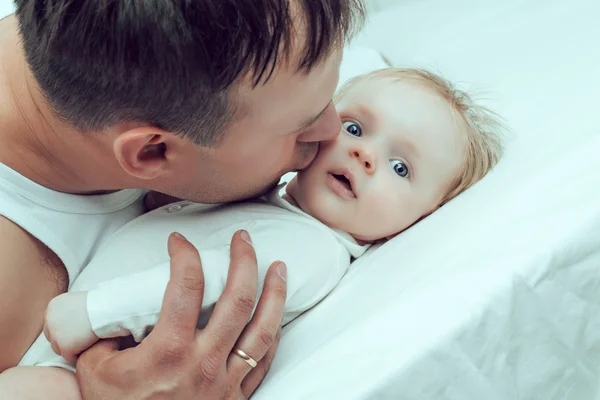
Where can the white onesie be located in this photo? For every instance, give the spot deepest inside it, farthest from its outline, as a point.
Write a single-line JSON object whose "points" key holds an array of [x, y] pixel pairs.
{"points": [[133, 265]]}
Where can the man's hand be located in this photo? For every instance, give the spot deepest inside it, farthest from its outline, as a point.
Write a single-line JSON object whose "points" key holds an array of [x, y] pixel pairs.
{"points": [[178, 361]]}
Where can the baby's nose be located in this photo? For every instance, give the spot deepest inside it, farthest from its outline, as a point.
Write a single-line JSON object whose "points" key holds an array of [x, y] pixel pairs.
{"points": [[366, 159]]}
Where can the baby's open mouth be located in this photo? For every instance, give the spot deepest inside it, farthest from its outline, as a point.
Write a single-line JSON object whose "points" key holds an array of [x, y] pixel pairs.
{"points": [[344, 181], [341, 182]]}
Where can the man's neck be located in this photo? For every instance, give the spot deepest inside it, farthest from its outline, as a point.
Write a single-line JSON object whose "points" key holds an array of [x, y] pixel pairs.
{"points": [[37, 144]]}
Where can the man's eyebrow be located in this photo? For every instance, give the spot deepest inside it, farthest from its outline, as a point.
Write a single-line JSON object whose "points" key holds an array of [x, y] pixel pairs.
{"points": [[313, 119]]}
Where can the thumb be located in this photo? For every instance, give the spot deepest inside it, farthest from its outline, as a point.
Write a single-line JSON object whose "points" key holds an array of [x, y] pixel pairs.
{"points": [[93, 356]]}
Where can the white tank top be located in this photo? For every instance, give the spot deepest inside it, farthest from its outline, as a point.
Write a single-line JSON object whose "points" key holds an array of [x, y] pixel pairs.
{"points": [[72, 226]]}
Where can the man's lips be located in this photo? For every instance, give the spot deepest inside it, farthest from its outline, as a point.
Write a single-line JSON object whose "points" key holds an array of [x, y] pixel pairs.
{"points": [[342, 183]]}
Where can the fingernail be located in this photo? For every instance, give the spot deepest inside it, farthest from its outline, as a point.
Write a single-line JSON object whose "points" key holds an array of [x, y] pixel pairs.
{"points": [[246, 236], [179, 236], [281, 270]]}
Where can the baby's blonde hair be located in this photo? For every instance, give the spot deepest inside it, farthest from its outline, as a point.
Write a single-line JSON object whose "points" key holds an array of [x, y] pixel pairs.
{"points": [[483, 128]]}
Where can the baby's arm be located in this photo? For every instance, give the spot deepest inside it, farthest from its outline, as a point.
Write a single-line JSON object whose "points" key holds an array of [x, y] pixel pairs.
{"points": [[130, 305]]}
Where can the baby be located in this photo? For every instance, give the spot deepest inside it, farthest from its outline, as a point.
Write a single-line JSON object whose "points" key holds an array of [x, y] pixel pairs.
{"points": [[409, 143]]}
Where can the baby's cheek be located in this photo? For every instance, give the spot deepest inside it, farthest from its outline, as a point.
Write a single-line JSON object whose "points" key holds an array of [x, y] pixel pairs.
{"points": [[398, 214], [376, 218]]}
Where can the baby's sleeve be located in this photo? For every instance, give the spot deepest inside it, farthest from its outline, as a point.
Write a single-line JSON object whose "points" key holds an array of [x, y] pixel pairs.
{"points": [[316, 261], [130, 305]]}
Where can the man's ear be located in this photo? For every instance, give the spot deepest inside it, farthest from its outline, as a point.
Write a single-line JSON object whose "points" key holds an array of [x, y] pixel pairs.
{"points": [[141, 151]]}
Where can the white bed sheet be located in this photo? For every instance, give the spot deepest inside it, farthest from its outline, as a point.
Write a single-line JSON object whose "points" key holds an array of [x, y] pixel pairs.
{"points": [[497, 295]]}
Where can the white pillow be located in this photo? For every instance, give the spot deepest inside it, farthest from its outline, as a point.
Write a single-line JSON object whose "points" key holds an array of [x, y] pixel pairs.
{"points": [[496, 295], [6, 7]]}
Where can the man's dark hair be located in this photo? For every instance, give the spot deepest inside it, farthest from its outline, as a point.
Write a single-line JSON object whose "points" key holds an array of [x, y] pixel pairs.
{"points": [[171, 63]]}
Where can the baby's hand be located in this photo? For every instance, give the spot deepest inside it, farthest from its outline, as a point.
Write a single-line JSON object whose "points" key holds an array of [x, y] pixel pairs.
{"points": [[67, 326]]}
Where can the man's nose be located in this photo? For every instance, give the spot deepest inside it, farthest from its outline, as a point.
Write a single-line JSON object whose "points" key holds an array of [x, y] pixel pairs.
{"points": [[327, 127]]}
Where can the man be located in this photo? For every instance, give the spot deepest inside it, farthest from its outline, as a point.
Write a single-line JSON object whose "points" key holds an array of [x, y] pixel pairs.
{"points": [[207, 100]]}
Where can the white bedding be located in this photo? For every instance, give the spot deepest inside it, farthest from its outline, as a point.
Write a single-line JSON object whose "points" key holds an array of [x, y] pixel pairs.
{"points": [[497, 295]]}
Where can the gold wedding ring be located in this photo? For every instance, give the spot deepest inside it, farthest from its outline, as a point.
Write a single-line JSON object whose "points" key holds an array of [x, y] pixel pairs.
{"points": [[240, 353]]}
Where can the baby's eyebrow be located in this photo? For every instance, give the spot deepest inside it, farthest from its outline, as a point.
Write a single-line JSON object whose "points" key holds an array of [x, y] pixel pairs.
{"points": [[365, 112], [402, 147], [409, 147]]}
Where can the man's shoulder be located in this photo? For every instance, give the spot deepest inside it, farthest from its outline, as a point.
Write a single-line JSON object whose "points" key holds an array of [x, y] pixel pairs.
{"points": [[22, 247], [8, 231]]}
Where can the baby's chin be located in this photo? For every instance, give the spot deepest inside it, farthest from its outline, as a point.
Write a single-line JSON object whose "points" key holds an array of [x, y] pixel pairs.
{"points": [[373, 237], [362, 239], [364, 242]]}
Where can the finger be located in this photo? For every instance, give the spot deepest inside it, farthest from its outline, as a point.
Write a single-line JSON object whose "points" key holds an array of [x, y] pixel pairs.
{"points": [[234, 307], [258, 337], [183, 296], [256, 376], [154, 200], [70, 357], [92, 357]]}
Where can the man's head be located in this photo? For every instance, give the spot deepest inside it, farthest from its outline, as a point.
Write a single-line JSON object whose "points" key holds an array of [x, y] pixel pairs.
{"points": [[248, 82], [410, 143]]}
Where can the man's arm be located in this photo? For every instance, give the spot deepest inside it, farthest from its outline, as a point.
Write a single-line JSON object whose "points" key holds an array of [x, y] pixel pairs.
{"points": [[30, 276]]}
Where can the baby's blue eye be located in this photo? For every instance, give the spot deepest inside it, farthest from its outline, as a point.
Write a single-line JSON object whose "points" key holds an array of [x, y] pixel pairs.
{"points": [[353, 129], [400, 168]]}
